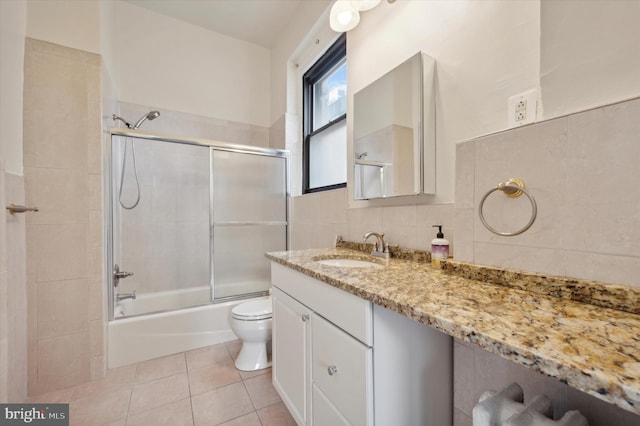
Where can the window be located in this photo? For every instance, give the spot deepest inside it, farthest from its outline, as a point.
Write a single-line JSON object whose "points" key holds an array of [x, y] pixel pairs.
{"points": [[325, 121]]}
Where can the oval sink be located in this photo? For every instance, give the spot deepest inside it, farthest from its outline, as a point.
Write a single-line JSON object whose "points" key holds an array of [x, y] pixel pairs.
{"points": [[348, 263]]}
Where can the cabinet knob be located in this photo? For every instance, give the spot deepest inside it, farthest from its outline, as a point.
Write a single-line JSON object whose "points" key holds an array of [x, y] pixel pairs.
{"points": [[305, 317], [332, 370]]}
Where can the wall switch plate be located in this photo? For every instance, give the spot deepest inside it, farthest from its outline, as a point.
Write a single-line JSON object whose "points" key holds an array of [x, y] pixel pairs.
{"points": [[522, 108]]}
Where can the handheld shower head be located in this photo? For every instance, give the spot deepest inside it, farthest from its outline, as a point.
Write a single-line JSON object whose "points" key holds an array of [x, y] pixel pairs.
{"points": [[150, 116]]}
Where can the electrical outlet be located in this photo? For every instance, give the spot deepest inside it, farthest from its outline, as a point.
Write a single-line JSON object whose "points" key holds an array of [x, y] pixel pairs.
{"points": [[522, 108]]}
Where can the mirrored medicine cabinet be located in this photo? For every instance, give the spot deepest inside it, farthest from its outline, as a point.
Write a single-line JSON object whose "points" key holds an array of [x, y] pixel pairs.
{"points": [[394, 140]]}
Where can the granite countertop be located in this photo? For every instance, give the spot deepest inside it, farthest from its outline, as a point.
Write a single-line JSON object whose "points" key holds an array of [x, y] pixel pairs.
{"points": [[558, 329]]}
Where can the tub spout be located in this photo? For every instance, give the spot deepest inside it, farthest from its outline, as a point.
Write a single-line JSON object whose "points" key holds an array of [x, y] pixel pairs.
{"points": [[125, 296]]}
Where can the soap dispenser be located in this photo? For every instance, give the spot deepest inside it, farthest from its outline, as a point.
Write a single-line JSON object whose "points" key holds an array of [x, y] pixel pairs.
{"points": [[439, 247]]}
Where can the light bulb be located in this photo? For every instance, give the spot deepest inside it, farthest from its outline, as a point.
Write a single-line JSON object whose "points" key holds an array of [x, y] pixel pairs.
{"points": [[346, 16], [343, 16]]}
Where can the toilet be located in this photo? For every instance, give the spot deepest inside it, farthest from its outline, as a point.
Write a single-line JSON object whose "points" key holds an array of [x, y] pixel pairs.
{"points": [[251, 322]]}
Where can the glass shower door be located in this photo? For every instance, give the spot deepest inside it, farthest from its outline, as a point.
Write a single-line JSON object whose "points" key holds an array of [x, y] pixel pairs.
{"points": [[249, 200], [164, 238]]}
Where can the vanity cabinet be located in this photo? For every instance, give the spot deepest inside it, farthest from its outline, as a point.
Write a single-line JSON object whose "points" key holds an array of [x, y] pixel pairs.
{"points": [[341, 360], [291, 348]]}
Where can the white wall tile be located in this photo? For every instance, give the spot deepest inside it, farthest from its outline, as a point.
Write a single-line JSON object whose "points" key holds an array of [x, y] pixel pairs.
{"points": [[578, 168], [63, 362], [61, 252], [64, 240], [536, 155], [60, 306], [463, 240], [531, 259], [602, 161], [623, 270], [465, 174], [61, 195]]}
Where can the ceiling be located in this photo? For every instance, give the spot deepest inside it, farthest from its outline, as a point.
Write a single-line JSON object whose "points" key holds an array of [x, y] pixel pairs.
{"points": [[254, 21]]}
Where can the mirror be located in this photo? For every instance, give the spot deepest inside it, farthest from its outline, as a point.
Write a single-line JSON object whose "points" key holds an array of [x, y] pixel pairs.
{"points": [[394, 132]]}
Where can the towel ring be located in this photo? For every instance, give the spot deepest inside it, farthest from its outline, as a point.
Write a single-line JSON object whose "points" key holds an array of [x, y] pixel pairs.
{"points": [[512, 188]]}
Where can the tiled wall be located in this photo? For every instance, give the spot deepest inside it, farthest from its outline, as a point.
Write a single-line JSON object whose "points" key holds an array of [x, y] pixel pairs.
{"points": [[317, 218], [191, 125], [63, 177], [582, 170], [477, 371], [13, 293]]}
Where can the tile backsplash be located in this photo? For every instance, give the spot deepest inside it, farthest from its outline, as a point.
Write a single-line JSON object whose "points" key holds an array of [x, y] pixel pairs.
{"points": [[581, 169]]}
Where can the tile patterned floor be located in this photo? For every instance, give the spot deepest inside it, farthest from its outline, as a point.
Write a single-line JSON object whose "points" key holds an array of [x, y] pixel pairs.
{"points": [[200, 387]]}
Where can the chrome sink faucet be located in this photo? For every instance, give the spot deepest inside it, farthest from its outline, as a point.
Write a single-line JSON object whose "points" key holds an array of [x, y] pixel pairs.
{"points": [[380, 249]]}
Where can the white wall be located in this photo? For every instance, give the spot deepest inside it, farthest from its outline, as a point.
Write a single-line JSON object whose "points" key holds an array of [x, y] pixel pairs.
{"points": [[484, 52], [284, 50], [590, 54], [163, 62], [13, 22], [68, 23]]}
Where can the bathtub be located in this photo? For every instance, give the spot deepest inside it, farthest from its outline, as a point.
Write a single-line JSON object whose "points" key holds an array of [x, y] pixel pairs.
{"points": [[154, 335]]}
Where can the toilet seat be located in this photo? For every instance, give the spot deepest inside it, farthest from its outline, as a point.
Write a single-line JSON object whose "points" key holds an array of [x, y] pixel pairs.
{"points": [[253, 311]]}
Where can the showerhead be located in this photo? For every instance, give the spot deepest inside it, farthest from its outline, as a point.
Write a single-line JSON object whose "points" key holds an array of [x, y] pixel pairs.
{"points": [[150, 116], [126, 123]]}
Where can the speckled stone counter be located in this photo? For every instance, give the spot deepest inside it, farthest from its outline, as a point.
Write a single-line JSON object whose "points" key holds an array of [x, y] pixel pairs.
{"points": [[592, 348]]}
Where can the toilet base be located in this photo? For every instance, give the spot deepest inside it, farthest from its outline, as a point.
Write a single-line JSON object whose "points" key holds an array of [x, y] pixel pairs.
{"points": [[253, 356]]}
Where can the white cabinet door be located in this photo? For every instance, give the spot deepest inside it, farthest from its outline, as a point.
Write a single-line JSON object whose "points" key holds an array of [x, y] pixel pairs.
{"points": [[291, 354], [342, 370], [324, 412]]}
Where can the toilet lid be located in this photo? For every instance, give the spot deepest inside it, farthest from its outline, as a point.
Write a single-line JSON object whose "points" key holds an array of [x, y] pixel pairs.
{"points": [[255, 310]]}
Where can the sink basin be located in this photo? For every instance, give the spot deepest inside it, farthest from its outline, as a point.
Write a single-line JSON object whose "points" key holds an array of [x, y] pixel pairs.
{"points": [[348, 263]]}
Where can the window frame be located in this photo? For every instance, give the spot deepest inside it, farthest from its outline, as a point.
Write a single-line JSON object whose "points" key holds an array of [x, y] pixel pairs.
{"points": [[333, 56]]}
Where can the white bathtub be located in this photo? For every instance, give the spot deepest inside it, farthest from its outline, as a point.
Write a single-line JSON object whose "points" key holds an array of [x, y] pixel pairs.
{"points": [[144, 337], [163, 301]]}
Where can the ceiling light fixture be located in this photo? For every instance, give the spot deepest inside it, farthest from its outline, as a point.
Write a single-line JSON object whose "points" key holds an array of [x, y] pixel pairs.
{"points": [[345, 14]]}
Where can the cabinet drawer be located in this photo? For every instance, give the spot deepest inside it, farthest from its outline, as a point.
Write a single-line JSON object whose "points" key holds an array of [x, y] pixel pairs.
{"points": [[349, 312], [341, 369]]}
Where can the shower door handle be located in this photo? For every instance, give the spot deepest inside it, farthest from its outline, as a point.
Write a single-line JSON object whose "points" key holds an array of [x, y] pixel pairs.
{"points": [[118, 275]]}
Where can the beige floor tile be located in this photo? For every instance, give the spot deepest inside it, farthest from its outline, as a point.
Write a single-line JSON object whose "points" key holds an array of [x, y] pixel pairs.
{"points": [[160, 367], [97, 387], [213, 377], [158, 393], [55, 397], [276, 415], [115, 379], [119, 422], [250, 419], [100, 409], [124, 374], [261, 391], [208, 356], [249, 374], [234, 347], [221, 405], [174, 414]]}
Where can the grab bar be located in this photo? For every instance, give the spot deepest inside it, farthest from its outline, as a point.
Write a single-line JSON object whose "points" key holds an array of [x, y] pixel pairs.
{"points": [[13, 209]]}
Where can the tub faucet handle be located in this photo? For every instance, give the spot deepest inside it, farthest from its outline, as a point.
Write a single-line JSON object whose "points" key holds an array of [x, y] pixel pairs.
{"points": [[118, 275]]}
